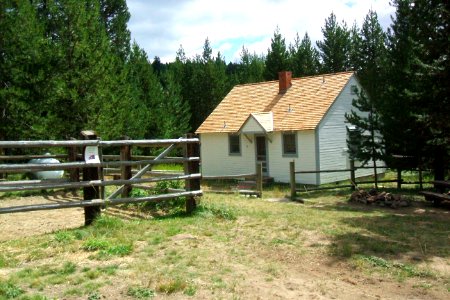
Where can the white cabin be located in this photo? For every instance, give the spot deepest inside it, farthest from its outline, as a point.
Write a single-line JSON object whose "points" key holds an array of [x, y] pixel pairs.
{"points": [[276, 122]]}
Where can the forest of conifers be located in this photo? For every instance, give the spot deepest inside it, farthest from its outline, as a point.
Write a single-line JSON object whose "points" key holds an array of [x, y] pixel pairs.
{"points": [[69, 65]]}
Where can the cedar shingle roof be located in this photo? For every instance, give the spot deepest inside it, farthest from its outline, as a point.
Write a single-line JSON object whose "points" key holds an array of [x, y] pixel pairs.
{"points": [[301, 108]]}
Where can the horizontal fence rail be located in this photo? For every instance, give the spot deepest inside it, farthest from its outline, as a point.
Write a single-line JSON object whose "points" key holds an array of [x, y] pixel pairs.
{"points": [[93, 181], [256, 187], [97, 202], [20, 168], [42, 185], [352, 176], [96, 142]]}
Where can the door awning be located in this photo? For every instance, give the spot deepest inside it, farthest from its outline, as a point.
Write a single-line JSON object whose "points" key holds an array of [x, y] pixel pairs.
{"points": [[258, 123]]}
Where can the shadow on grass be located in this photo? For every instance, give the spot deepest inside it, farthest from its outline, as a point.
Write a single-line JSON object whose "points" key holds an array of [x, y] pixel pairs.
{"points": [[419, 232]]}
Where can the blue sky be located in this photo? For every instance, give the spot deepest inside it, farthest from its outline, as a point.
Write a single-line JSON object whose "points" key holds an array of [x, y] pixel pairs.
{"points": [[160, 27]]}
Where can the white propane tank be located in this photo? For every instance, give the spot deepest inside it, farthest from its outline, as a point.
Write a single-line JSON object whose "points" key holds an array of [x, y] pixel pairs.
{"points": [[56, 174]]}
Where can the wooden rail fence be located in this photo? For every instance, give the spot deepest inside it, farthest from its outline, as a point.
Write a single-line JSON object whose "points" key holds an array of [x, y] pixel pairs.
{"points": [[353, 182], [93, 180], [257, 177]]}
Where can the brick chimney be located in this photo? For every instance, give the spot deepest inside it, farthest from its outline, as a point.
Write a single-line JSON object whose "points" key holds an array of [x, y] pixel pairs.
{"points": [[284, 81]]}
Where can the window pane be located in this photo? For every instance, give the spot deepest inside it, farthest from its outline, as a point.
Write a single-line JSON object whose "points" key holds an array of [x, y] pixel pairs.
{"points": [[235, 144], [289, 145]]}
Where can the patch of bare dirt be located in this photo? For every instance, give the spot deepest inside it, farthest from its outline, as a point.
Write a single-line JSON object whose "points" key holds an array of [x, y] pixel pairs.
{"points": [[17, 225]]}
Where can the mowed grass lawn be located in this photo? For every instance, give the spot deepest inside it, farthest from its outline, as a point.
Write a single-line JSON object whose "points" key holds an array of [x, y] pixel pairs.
{"points": [[236, 247]]}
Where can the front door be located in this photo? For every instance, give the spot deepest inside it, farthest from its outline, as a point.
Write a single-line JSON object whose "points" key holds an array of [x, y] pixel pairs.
{"points": [[261, 153]]}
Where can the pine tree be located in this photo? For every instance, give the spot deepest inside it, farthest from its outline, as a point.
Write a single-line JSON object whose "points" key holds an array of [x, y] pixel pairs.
{"points": [[203, 82], [402, 135], [115, 17], [277, 58], [147, 90], [25, 61], [173, 112], [368, 55], [304, 57], [335, 48], [417, 93], [85, 66], [251, 67]]}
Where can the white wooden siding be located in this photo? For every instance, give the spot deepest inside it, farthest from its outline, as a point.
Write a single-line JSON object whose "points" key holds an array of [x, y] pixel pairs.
{"points": [[215, 158], [332, 136], [305, 159]]}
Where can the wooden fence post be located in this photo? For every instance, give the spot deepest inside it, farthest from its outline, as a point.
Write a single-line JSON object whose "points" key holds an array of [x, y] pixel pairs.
{"points": [[352, 174], [259, 179], [74, 174], [420, 177], [191, 167], [292, 179], [1, 174], [399, 178], [92, 192], [125, 171]]}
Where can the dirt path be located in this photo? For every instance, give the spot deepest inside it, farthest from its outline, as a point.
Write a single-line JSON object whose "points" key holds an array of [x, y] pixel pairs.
{"points": [[18, 225]]}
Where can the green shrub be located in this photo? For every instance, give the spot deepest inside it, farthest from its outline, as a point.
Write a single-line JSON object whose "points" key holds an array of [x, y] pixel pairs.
{"points": [[220, 211], [9, 291], [140, 292], [95, 244]]}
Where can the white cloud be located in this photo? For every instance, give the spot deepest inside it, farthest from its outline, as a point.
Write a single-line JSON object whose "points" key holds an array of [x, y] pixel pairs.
{"points": [[160, 27]]}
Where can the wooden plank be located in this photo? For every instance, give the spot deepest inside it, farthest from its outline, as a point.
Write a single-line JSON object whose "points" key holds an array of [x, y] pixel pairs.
{"points": [[109, 157], [28, 157], [42, 185], [47, 144], [149, 143], [96, 202], [433, 195], [249, 192], [31, 182], [125, 170], [379, 181], [189, 168], [228, 176], [323, 171], [292, 179], [19, 168], [259, 179], [444, 183], [83, 143], [325, 188]]}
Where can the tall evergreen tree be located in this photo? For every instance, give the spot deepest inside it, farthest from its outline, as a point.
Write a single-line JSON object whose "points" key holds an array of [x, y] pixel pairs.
{"points": [[25, 72], [304, 57], [173, 113], [399, 107], [115, 16], [251, 67], [203, 82], [277, 59], [416, 97], [84, 71], [335, 48], [368, 57]]}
